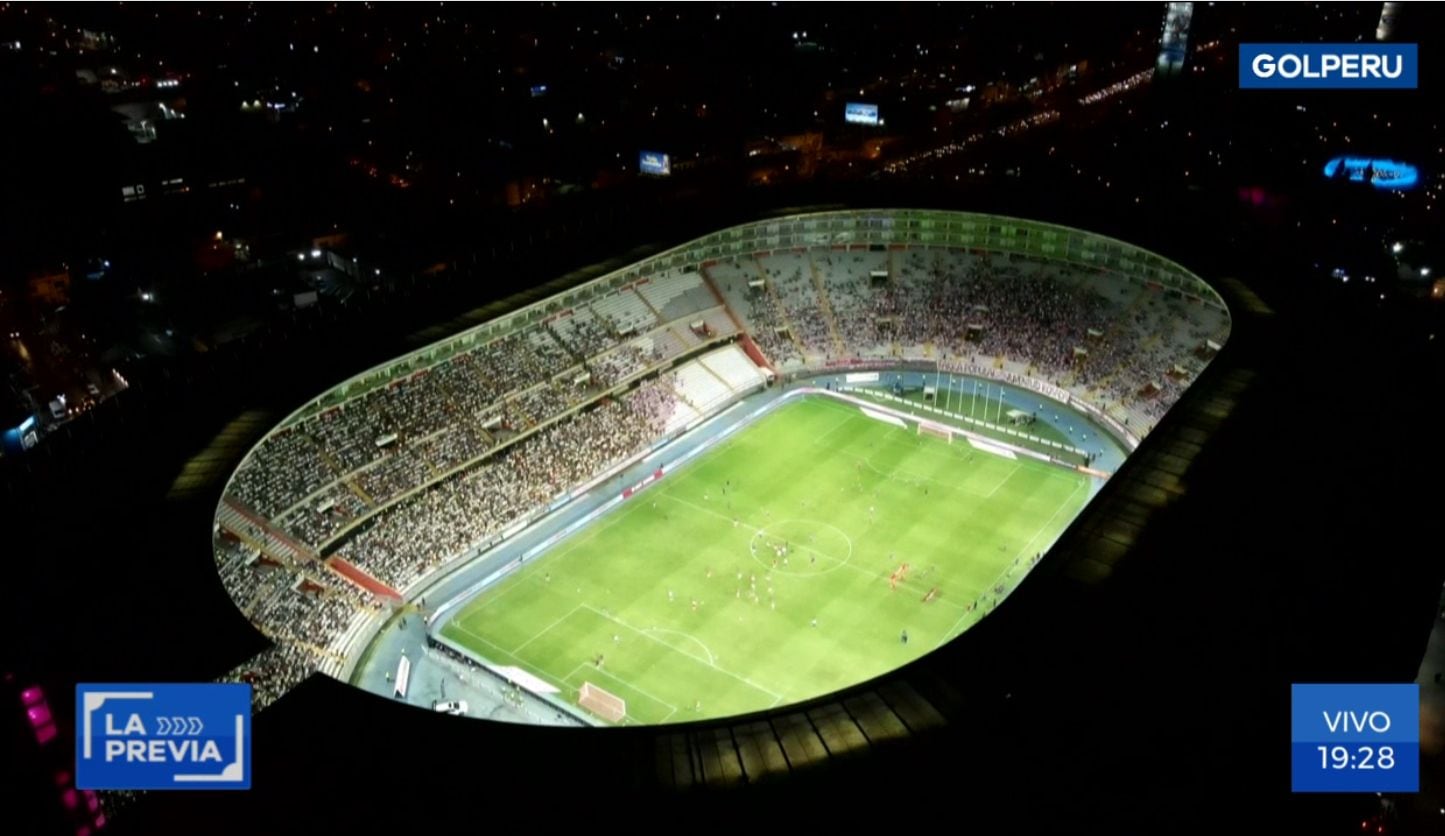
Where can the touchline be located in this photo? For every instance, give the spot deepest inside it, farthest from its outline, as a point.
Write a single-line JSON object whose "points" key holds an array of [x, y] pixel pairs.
{"points": [[1346, 65]]}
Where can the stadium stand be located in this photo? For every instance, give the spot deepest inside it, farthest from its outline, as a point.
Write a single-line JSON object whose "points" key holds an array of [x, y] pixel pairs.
{"points": [[675, 295], [410, 466], [733, 368], [626, 312], [436, 526], [701, 388], [1109, 340], [745, 289], [326, 473], [301, 611], [581, 332]]}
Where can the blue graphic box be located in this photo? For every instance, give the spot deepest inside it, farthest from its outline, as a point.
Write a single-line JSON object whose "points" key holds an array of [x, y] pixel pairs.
{"points": [[1355, 738], [162, 736]]}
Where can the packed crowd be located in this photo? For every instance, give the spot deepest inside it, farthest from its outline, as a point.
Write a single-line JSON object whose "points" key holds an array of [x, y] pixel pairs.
{"points": [[305, 614], [583, 333], [299, 611], [613, 367], [452, 516], [795, 300], [535, 405], [328, 472], [1096, 333], [450, 397]]}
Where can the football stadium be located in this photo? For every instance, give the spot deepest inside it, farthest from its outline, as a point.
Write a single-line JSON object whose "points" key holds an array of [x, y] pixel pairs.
{"points": [[750, 471]]}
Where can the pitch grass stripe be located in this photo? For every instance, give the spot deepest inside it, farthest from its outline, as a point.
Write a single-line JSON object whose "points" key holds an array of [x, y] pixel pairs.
{"points": [[966, 454], [673, 562], [776, 698], [838, 563], [851, 416], [711, 659], [626, 660], [1022, 552], [570, 684], [518, 648], [869, 463], [1001, 482], [500, 655]]}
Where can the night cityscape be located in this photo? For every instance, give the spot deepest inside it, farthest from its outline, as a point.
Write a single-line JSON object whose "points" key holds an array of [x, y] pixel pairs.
{"points": [[1108, 382]]}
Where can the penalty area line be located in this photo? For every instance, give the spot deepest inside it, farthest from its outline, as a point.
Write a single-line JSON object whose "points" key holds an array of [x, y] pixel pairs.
{"points": [[713, 665], [547, 629]]}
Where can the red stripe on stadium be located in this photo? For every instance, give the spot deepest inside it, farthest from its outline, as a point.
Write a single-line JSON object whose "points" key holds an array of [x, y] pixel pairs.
{"points": [[361, 579]]}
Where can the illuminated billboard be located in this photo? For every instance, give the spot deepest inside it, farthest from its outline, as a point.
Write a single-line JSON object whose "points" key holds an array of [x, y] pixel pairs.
{"points": [[861, 114], [1380, 173], [1174, 40], [654, 162]]}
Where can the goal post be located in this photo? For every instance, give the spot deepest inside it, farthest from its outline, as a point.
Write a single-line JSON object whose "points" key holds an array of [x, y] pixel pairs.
{"points": [[604, 704], [935, 430]]}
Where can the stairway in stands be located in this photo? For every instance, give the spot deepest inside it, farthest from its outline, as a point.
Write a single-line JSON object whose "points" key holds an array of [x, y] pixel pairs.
{"points": [[1118, 323], [780, 308], [640, 295], [825, 306], [260, 534], [1101, 387]]}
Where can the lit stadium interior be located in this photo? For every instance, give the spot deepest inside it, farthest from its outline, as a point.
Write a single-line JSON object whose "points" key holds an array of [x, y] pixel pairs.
{"points": [[472, 470]]}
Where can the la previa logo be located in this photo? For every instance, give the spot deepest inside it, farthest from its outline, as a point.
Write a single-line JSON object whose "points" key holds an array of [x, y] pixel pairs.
{"points": [[163, 736], [1329, 66]]}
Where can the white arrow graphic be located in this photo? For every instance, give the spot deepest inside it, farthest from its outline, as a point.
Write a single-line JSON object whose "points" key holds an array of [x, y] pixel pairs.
{"points": [[234, 771], [177, 726]]}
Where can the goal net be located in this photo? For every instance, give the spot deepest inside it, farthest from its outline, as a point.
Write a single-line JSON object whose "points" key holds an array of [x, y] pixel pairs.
{"points": [[609, 707], [935, 430]]}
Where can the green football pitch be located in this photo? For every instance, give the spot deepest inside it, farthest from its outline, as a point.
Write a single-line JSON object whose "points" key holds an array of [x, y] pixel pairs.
{"points": [[769, 569]]}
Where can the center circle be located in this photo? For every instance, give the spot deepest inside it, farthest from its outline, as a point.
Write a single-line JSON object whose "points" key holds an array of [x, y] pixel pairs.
{"points": [[801, 547]]}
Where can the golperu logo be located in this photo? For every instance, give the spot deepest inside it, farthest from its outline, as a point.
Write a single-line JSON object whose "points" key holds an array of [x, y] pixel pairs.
{"points": [[1329, 66]]}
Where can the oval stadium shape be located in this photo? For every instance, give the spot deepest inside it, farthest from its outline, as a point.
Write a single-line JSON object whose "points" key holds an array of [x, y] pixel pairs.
{"points": [[757, 468]]}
